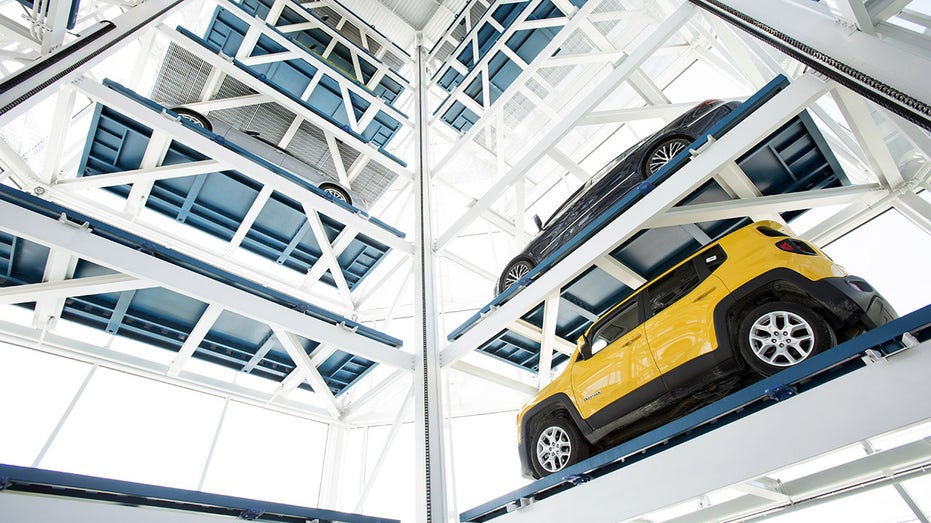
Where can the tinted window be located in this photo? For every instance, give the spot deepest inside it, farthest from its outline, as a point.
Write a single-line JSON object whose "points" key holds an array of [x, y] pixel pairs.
{"points": [[620, 323], [670, 288]]}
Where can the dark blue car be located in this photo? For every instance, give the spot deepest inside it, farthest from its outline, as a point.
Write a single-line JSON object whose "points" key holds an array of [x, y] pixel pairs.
{"points": [[611, 183]]}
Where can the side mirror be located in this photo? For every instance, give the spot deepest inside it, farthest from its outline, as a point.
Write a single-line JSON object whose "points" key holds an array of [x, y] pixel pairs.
{"points": [[538, 222], [585, 349]]}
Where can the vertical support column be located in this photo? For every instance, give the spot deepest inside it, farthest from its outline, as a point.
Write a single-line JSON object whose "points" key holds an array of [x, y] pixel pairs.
{"points": [[432, 502], [331, 477]]}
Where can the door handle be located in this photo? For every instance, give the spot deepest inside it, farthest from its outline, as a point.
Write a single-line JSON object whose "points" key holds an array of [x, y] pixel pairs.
{"points": [[704, 295], [631, 340]]}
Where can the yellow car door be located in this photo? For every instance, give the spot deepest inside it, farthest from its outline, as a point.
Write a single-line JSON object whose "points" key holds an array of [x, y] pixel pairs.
{"points": [[681, 309], [619, 375]]}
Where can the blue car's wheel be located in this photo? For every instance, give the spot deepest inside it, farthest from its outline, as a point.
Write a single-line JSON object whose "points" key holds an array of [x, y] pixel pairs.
{"points": [[516, 270], [661, 153], [194, 117]]}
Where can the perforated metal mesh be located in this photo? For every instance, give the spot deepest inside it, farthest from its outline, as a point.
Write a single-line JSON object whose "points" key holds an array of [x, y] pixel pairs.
{"points": [[373, 181], [181, 78], [309, 144], [517, 108]]}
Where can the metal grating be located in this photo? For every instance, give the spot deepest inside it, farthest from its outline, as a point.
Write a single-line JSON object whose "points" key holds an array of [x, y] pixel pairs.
{"points": [[181, 79], [373, 181]]}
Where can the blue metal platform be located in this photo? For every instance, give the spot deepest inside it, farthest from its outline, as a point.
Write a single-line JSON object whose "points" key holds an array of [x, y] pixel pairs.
{"points": [[794, 158], [217, 202], [819, 369], [165, 319]]}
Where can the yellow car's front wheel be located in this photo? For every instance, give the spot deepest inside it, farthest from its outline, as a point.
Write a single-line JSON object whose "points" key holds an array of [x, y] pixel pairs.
{"points": [[557, 443]]}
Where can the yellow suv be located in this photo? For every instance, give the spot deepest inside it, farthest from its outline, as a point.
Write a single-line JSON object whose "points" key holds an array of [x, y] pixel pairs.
{"points": [[757, 300]]}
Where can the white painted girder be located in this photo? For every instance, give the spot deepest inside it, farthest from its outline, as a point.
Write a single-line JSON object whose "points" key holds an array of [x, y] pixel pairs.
{"points": [[82, 243], [771, 205], [907, 72], [197, 335], [95, 354], [61, 289], [306, 369], [17, 99]]}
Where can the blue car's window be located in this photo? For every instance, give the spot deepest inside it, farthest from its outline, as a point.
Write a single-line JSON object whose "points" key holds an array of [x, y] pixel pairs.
{"points": [[590, 183]]}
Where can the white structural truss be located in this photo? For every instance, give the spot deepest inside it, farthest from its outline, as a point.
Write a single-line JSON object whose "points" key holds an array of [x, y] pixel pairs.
{"points": [[489, 133]]}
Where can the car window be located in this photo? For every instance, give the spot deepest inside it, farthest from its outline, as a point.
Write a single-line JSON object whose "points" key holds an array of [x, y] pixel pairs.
{"points": [[618, 324], [670, 288], [592, 181]]}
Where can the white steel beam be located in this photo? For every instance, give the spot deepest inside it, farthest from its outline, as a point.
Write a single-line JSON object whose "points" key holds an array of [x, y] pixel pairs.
{"points": [[774, 204], [550, 317], [867, 133], [494, 377], [620, 272], [77, 287], [861, 52], [433, 500], [145, 175], [59, 266], [762, 122], [85, 245], [307, 369], [532, 332], [193, 340], [328, 256], [853, 13], [95, 354], [621, 73]]}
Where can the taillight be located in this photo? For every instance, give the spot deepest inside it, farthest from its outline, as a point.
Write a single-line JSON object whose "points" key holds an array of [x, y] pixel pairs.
{"points": [[796, 246]]}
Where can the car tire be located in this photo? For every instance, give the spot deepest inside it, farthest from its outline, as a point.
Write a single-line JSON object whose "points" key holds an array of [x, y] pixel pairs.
{"points": [[193, 117], [661, 153], [336, 192], [515, 270], [556, 444], [778, 334]]}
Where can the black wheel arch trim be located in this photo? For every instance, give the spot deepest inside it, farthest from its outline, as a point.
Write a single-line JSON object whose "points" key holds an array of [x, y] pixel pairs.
{"points": [[840, 308], [557, 402]]}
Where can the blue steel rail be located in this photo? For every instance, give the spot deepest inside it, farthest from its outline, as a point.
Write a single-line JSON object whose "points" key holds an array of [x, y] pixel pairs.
{"points": [[14, 479], [818, 369], [793, 158], [165, 319]]}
